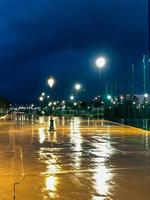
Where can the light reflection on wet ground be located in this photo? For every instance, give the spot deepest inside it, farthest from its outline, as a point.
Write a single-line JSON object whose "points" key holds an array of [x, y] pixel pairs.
{"points": [[82, 160]]}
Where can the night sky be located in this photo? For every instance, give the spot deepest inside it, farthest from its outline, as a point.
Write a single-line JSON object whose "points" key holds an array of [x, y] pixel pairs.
{"points": [[62, 38]]}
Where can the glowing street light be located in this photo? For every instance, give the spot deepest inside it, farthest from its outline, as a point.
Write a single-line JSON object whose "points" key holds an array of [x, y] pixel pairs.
{"points": [[50, 103], [77, 86], [109, 97], [100, 62], [43, 94], [41, 98], [51, 82], [71, 97], [146, 95], [75, 104]]}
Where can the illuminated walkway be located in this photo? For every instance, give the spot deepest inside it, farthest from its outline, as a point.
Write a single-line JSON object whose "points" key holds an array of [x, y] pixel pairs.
{"points": [[82, 160]]}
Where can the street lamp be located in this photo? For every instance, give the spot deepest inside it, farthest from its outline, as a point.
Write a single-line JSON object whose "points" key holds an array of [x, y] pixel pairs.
{"points": [[146, 95], [77, 87], [43, 94], [41, 98], [109, 97], [51, 83], [100, 63], [75, 104], [71, 97]]}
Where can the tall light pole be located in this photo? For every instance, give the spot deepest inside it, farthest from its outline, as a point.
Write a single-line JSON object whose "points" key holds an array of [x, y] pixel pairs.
{"points": [[77, 87], [51, 82], [100, 63]]}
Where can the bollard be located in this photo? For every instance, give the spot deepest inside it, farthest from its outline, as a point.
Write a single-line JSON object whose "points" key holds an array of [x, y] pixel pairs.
{"points": [[51, 124]]}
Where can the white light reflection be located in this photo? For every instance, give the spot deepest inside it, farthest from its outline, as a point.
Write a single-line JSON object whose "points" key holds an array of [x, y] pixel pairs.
{"points": [[42, 136], [51, 181], [49, 160], [76, 140], [102, 178], [101, 183], [51, 186]]}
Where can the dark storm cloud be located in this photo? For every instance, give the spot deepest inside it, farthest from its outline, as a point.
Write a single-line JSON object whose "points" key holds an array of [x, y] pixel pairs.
{"points": [[37, 34]]}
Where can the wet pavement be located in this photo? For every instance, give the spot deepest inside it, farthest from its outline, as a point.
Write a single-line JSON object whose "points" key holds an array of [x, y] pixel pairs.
{"points": [[81, 160]]}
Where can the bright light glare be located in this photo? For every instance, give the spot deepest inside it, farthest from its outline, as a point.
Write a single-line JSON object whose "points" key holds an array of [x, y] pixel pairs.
{"points": [[109, 97], [41, 98], [146, 95], [71, 97], [51, 82], [50, 183], [51, 186], [50, 103], [77, 86], [100, 62]]}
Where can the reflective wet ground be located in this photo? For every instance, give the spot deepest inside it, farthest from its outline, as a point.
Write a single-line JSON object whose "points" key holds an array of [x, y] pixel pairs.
{"points": [[82, 160]]}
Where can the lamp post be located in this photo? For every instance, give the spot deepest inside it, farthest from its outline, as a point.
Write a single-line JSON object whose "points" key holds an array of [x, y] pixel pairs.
{"points": [[41, 98], [100, 63], [77, 88], [71, 97], [51, 83], [43, 94]]}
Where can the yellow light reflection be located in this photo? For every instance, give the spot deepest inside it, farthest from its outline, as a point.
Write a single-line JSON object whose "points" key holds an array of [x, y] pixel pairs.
{"points": [[51, 181], [41, 120], [101, 183]]}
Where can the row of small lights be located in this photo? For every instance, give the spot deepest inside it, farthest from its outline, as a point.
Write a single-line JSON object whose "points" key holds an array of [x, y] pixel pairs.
{"points": [[51, 82], [31, 107]]}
